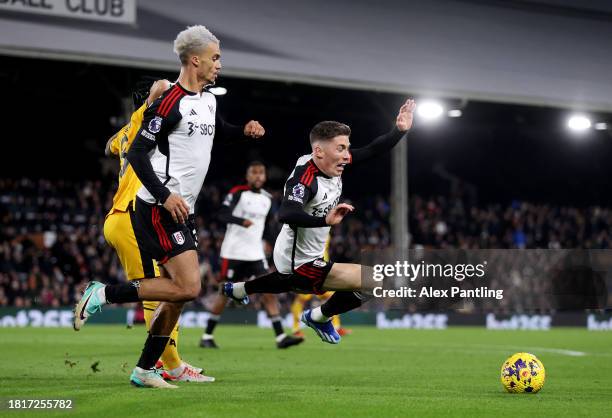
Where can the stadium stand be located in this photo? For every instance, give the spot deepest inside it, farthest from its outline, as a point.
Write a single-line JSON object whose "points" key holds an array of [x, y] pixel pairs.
{"points": [[51, 242]]}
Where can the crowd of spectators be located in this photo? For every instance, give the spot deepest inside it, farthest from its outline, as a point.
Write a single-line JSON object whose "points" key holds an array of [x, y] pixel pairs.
{"points": [[52, 243], [443, 222]]}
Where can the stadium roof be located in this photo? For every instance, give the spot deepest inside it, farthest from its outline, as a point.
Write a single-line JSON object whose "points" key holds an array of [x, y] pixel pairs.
{"points": [[548, 52]]}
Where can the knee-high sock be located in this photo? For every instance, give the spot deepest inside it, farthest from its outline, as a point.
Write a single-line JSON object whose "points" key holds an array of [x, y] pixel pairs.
{"points": [[170, 356], [336, 318], [269, 283], [122, 293], [336, 321], [342, 302], [153, 348], [277, 325], [297, 307], [212, 322]]}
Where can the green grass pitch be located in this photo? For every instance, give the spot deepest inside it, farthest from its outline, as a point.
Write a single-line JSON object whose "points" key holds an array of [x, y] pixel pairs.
{"points": [[372, 373]]}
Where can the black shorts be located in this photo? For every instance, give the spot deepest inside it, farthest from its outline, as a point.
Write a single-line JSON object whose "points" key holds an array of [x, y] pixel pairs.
{"points": [[158, 234], [309, 277], [239, 270]]}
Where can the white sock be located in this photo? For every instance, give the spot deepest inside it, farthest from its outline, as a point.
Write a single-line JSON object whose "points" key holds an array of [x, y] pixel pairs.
{"points": [[101, 294], [318, 316], [239, 291], [207, 337]]}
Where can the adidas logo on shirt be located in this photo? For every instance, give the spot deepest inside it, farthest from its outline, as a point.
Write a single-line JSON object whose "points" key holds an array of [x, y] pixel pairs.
{"points": [[193, 113]]}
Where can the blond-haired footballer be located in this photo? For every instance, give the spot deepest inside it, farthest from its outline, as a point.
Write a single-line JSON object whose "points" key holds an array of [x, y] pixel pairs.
{"points": [[119, 233]]}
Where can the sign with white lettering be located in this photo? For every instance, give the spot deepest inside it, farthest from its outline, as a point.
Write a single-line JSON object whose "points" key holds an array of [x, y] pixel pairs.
{"points": [[113, 11]]}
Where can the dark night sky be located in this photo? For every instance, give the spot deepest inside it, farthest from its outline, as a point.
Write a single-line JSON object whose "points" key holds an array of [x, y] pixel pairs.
{"points": [[60, 112]]}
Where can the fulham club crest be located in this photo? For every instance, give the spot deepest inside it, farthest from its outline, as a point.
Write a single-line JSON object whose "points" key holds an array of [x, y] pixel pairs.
{"points": [[178, 237]]}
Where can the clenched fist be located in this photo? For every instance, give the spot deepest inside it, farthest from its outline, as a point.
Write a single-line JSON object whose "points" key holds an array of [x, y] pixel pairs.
{"points": [[254, 129]]}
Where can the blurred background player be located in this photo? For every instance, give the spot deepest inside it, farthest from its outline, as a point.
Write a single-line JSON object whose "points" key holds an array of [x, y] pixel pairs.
{"points": [[246, 211], [119, 233]]}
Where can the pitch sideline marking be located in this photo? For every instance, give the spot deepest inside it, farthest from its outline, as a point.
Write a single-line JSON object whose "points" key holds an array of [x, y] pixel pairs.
{"points": [[571, 353]]}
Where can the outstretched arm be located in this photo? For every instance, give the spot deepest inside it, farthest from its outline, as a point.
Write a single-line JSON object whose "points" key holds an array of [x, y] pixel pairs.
{"points": [[385, 142], [229, 133]]}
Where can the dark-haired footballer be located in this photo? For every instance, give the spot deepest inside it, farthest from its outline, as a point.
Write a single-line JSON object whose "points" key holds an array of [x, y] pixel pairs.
{"points": [[246, 211], [311, 205]]}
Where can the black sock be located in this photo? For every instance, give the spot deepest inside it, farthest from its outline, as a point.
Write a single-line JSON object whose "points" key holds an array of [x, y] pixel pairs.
{"points": [[277, 325], [122, 293], [269, 283], [153, 349], [342, 302], [211, 324]]}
